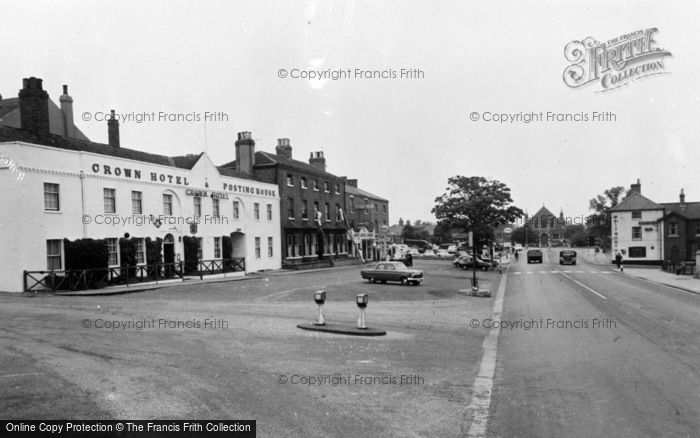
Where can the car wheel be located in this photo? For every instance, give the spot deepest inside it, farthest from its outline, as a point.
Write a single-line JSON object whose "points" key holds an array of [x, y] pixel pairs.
{"points": [[371, 280], [404, 281], [383, 281]]}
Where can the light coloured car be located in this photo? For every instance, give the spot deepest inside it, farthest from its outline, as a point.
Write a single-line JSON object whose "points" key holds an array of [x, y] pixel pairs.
{"points": [[392, 271]]}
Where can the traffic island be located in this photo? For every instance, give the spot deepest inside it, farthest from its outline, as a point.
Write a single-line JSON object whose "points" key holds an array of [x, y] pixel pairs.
{"points": [[343, 329], [475, 292]]}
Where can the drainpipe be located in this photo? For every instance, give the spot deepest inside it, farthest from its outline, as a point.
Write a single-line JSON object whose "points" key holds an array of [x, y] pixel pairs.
{"points": [[82, 202]]}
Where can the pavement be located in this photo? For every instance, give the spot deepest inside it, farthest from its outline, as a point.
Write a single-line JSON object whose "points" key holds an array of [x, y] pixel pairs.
{"points": [[687, 283]]}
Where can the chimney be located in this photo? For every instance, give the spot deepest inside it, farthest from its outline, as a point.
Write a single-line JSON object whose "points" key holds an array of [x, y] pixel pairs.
{"points": [[113, 130], [682, 196], [284, 148], [67, 110], [317, 160], [245, 152], [34, 107], [636, 187], [352, 182]]}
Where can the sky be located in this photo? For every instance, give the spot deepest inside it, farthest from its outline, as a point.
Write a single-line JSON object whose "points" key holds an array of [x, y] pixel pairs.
{"points": [[402, 138]]}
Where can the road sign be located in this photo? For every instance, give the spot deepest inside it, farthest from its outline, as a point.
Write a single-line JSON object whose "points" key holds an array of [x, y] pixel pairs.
{"points": [[507, 230]]}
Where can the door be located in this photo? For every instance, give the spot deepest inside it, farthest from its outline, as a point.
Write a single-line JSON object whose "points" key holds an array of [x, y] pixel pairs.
{"points": [[169, 254]]}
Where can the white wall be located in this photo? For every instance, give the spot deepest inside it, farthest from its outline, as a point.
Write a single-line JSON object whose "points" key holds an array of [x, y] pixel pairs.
{"points": [[25, 226], [651, 240]]}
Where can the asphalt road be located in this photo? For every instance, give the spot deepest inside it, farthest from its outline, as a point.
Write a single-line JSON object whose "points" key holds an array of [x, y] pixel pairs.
{"points": [[603, 354], [59, 360]]}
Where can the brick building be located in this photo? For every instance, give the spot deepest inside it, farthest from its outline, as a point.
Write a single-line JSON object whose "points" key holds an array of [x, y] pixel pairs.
{"points": [[366, 214], [681, 233], [311, 201], [549, 228]]}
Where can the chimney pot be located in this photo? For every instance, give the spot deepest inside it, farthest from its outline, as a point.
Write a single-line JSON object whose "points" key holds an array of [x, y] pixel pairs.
{"points": [[34, 107], [113, 130], [67, 113], [245, 152], [317, 160], [65, 89], [682, 198], [284, 148]]}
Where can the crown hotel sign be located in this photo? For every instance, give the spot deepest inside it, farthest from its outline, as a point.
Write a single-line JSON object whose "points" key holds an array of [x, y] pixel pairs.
{"points": [[614, 63]]}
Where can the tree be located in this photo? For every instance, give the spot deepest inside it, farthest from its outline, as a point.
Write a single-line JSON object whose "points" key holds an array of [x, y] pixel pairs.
{"points": [[518, 235], [599, 223], [475, 204]]}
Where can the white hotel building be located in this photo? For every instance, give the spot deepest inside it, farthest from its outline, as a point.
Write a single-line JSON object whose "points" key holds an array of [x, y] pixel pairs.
{"points": [[55, 187]]}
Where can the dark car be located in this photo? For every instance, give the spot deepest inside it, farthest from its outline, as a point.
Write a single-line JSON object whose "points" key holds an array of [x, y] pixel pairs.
{"points": [[567, 257], [467, 262], [534, 255], [392, 271]]}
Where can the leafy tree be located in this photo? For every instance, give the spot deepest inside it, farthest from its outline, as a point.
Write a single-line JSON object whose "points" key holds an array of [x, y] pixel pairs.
{"points": [[442, 233], [599, 223], [518, 235], [475, 204]]}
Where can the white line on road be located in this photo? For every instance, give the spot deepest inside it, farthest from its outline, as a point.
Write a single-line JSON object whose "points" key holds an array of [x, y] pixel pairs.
{"points": [[529, 272], [517, 273], [583, 285], [483, 383]]}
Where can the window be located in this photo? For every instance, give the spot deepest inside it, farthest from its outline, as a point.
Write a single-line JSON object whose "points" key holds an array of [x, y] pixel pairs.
{"points": [[637, 251], [136, 202], [636, 215], [53, 254], [290, 208], [352, 204], [215, 211], [269, 247], [140, 252], [51, 197], [366, 206], [337, 213], [636, 233], [327, 212], [112, 249], [673, 228], [534, 223], [326, 187], [302, 182], [376, 208], [167, 204], [336, 188], [269, 212], [257, 247], [290, 180], [316, 185], [110, 200], [197, 206], [384, 206], [290, 245], [200, 249], [304, 210], [217, 247], [236, 209], [551, 222]]}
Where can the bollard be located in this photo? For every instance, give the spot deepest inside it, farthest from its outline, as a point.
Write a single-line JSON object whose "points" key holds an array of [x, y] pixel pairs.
{"points": [[362, 300], [320, 298]]}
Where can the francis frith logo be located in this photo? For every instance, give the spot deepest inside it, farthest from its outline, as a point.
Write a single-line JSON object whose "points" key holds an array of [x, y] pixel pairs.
{"points": [[616, 62]]}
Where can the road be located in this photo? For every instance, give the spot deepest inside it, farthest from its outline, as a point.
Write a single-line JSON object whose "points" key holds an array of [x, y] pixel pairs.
{"points": [[592, 352]]}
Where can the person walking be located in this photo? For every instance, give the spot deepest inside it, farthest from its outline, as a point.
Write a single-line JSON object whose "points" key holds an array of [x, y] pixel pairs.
{"points": [[618, 261]]}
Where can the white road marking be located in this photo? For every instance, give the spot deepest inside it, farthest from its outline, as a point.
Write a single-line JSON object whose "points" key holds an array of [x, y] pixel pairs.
{"points": [[568, 272], [580, 272], [593, 272], [584, 286], [606, 272], [554, 272], [483, 383], [529, 272], [517, 273], [542, 272]]}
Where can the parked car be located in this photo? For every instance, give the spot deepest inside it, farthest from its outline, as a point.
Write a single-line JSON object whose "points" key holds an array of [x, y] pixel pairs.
{"points": [[518, 247], [567, 257], [467, 262], [392, 271], [442, 253], [451, 248], [534, 255]]}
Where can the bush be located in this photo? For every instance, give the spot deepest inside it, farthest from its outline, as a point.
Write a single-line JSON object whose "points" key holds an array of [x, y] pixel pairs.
{"points": [[154, 250], [86, 254], [191, 245]]}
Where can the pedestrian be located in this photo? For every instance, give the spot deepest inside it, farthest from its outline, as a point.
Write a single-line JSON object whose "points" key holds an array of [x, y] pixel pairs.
{"points": [[409, 259], [516, 255], [618, 261]]}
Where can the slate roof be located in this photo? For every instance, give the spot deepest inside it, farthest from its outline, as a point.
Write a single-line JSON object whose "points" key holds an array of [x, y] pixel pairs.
{"points": [[351, 190], [263, 159], [9, 110], [691, 210], [636, 201]]}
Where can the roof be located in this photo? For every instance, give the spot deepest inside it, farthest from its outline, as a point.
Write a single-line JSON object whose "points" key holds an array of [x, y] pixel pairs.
{"points": [[187, 161], [690, 211], [635, 201], [263, 159], [351, 190], [544, 211], [10, 116]]}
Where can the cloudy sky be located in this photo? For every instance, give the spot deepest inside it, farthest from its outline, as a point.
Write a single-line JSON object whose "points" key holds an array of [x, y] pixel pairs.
{"points": [[402, 138]]}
